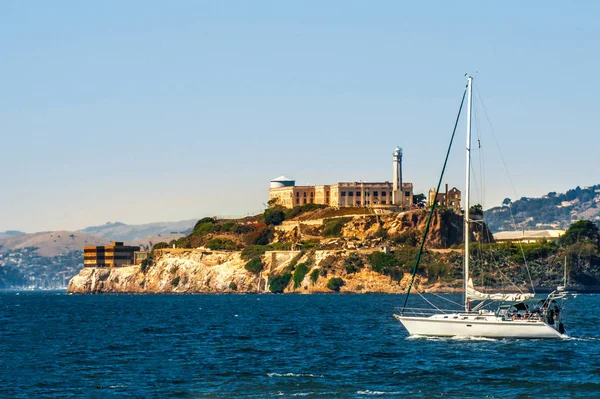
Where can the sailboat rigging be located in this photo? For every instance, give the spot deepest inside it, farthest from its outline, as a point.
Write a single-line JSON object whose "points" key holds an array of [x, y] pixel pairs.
{"points": [[518, 315]]}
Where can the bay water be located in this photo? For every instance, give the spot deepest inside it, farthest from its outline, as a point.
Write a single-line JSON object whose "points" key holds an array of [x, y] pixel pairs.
{"points": [[54, 345]]}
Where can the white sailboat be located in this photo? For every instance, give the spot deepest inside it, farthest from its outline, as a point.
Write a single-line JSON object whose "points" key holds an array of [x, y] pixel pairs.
{"points": [[517, 316]]}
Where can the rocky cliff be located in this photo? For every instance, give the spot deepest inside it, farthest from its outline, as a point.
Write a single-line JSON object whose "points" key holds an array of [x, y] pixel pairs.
{"points": [[200, 271], [333, 247]]}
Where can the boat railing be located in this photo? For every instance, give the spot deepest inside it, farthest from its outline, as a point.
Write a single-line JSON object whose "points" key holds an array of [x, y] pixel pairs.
{"points": [[425, 312]]}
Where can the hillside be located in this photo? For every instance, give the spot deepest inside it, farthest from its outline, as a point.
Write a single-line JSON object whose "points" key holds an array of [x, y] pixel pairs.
{"points": [[552, 211], [51, 243], [10, 233], [117, 231]]}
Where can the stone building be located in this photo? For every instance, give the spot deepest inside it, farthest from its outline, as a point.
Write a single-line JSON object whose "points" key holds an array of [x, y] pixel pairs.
{"points": [[284, 192], [450, 199]]}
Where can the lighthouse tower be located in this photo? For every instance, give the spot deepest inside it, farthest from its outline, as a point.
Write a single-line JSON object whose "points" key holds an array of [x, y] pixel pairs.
{"points": [[397, 192]]}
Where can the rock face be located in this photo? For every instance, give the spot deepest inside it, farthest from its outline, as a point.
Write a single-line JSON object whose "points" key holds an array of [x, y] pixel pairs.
{"points": [[202, 271], [199, 271], [180, 272]]}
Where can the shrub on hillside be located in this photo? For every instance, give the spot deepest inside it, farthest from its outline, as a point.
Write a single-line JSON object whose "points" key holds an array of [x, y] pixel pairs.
{"points": [[255, 266], [438, 271], [381, 262], [278, 283], [333, 227], [253, 251], [310, 243], [274, 217], [353, 263], [145, 265], [395, 273], [160, 245], [335, 283], [314, 276], [298, 210], [260, 236], [411, 237], [202, 228], [301, 271], [203, 221], [222, 244]]}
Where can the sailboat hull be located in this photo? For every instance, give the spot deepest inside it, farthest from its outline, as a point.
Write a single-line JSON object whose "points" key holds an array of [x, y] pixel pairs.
{"points": [[477, 326]]}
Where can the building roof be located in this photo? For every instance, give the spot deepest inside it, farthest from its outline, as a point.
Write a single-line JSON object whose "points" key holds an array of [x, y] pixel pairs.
{"points": [[527, 234], [282, 178]]}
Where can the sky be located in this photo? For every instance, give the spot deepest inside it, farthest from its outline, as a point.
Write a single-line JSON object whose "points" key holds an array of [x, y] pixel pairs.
{"points": [[145, 111]]}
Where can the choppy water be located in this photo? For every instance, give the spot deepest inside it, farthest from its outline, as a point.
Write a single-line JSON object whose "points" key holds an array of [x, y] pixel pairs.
{"points": [[261, 346]]}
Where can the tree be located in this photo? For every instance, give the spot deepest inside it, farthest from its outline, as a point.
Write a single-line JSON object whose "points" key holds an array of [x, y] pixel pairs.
{"points": [[334, 284], [580, 231], [506, 202], [274, 217], [419, 200], [254, 266], [476, 210]]}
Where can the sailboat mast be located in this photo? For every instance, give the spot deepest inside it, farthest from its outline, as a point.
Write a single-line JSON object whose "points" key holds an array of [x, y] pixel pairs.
{"points": [[468, 187]]}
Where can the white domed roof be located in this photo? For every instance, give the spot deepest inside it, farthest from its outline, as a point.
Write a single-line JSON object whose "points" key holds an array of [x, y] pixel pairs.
{"points": [[282, 178]]}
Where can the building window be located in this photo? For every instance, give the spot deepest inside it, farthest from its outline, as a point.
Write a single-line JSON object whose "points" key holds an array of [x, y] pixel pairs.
{"points": [[357, 203], [343, 194], [305, 200], [358, 193], [305, 194], [350, 193], [407, 193], [383, 202], [312, 194], [297, 201], [383, 193], [375, 193], [297, 194], [367, 194]]}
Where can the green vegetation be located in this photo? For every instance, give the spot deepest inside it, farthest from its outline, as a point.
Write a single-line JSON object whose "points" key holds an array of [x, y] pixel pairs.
{"points": [[254, 266], [333, 227], [160, 245], [233, 286], [381, 262], [548, 210], [175, 281], [476, 210], [419, 200], [262, 235], [278, 283], [581, 231], [222, 244], [253, 251], [335, 283], [353, 263], [314, 276], [274, 216], [146, 263], [437, 271], [301, 271], [310, 243], [298, 210]]}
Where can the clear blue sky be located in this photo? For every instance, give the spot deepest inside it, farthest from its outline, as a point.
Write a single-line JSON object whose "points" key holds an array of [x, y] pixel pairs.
{"points": [[141, 111]]}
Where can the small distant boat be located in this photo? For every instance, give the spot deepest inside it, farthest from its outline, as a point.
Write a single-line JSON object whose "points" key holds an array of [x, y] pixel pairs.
{"points": [[518, 315]]}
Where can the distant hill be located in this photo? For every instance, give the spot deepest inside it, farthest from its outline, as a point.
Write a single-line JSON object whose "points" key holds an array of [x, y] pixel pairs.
{"points": [[10, 233], [51, 243], [552, 211], [117, 231]]}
